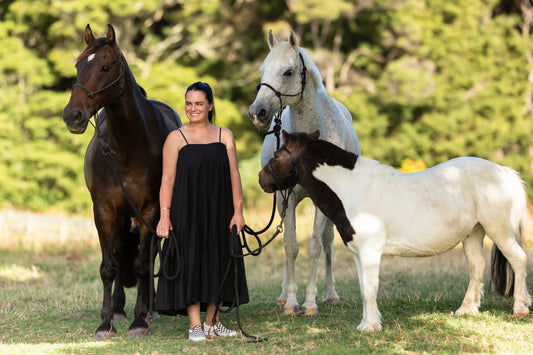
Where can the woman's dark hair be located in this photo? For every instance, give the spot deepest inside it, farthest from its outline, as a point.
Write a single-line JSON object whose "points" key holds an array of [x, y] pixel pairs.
{"points": [[206, 89]]}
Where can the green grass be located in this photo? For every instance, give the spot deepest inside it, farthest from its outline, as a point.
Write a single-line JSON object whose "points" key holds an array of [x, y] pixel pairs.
{"points": [[50, 299]]}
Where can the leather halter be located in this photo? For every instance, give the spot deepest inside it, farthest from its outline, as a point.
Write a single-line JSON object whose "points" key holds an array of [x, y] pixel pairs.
{"points": [[120, 76], [277, 118]]}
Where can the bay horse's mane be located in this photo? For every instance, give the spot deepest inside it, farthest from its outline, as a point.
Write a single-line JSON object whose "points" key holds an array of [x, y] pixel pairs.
{"points": [[94, 46]]}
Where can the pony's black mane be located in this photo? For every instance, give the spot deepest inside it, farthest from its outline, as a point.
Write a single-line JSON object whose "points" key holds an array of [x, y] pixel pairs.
{"points": [[324, 152]]}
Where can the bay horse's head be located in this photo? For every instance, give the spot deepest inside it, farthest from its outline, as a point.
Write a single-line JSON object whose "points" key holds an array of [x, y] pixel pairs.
{"points": [[282, 171], [99, 82], [283, 79]]}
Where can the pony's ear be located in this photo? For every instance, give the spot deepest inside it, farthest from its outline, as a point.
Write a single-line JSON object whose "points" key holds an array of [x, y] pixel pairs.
{"points": [[286, 136], [293, 40], [89, 37], [110, 34], [272, 41], [314, 135]]}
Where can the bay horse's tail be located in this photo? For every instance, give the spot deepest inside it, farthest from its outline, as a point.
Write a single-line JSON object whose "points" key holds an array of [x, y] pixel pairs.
{"points": [[502, 275], [130, 243]]}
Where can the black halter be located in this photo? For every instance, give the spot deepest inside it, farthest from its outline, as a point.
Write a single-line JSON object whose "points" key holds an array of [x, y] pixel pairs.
{"points": [[277, 117], [120, 76]]}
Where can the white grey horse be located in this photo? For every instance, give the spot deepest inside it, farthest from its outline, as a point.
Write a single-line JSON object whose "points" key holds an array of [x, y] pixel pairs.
{"points": [[290, 78]]}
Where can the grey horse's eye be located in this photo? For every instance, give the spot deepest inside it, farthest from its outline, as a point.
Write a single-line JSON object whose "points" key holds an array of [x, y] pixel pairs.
{"points": [[289, 72]]}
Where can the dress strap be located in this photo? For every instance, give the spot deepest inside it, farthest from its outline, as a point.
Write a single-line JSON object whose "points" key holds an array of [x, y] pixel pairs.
{"points": [[183, 136], [220, 134]]}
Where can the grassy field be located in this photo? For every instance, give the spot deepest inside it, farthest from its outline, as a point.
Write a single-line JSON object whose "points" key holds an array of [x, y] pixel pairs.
{"points": [[50, 299]]}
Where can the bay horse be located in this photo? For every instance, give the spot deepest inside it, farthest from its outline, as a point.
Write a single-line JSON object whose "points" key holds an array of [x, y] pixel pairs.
{"points": [[129, 136], [381, 211], [290, 78]]}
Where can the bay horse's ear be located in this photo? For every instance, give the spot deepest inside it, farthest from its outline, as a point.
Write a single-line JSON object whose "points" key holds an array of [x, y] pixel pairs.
{"points": [[314, 135], [272, 41], [89, 37], [293, 40], [110, 34]]}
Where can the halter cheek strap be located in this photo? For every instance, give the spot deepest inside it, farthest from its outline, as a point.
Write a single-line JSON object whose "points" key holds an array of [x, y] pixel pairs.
{"points": [[277, 118]]}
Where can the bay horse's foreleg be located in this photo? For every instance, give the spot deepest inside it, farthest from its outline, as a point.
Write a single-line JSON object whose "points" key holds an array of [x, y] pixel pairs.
{"points": [[139, 327], [329, 280], [314, 250], [473, 249], [108, 273], [289, 287]]}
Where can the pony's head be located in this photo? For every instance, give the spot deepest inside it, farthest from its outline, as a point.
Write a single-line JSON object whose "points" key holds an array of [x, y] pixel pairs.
{"points": [[282, 170], [99, 82], [283, 79]]}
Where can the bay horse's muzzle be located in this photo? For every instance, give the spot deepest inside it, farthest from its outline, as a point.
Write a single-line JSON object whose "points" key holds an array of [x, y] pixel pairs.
{"points": [[75, 119]]}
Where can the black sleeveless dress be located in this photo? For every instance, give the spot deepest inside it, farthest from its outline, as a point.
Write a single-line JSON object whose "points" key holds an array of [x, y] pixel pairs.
{"points": [[198, 247]]}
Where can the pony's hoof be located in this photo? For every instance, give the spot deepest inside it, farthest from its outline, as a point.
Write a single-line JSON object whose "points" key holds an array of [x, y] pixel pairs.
{"points": [[334, 300], [309, 310], [369, 327], [117, 317], [104, 335], [520, 314], [465, 311], [138, 332], [291, 310]]}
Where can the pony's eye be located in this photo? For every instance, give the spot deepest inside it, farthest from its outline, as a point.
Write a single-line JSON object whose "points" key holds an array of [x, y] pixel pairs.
{"points": [[106, 68], [289, 72]]}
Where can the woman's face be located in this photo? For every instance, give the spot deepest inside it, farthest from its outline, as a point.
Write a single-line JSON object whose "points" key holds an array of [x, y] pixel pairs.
{"points": [[196, 106]]}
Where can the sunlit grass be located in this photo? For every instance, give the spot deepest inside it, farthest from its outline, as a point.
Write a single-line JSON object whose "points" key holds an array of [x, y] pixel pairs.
{"points": [[51, 294]]}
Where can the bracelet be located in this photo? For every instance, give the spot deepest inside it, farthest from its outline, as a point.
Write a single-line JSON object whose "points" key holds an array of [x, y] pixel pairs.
{"points": [[165, 208]]}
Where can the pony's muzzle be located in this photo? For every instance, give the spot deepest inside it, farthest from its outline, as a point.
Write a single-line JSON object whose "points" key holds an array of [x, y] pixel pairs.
{"points": [[266, 181]]}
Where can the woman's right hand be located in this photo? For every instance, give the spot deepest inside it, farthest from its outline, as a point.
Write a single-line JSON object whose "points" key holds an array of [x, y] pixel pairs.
{"points": [[163, 227]]}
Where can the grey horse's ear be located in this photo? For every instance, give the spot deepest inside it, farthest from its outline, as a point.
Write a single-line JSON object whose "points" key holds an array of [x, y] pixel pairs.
{"points": [[293, 40], [272, 41]]}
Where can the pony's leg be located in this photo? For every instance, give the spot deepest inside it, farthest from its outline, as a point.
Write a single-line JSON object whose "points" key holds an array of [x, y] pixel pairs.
{"points": [[107, 232], [473, 249], [516, 256], [314, 250], [329, 280], [139, 327], [368, 271], [289, 287]]}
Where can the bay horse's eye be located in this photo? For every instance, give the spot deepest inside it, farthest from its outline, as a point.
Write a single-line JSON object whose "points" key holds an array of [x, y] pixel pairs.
{"points": [[106, 68], [289, 72]]}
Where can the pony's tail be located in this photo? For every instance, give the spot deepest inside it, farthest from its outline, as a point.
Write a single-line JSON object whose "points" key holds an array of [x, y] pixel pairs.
{"points": [[130, 242], [502, 274]]}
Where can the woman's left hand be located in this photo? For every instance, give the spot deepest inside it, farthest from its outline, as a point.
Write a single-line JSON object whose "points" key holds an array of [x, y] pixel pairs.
{"points": [[237, 221]]}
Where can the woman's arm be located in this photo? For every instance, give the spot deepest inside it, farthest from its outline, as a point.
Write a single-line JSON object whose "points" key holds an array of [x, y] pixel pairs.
{"points": [[170, 158], [236, 184]]}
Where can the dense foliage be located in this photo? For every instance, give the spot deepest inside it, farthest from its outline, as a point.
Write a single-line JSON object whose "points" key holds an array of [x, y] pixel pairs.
{"points": [[426, 80]]}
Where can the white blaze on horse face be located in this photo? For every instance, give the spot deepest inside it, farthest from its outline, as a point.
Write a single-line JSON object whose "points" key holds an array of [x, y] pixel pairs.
{"points": [[91, 57]]}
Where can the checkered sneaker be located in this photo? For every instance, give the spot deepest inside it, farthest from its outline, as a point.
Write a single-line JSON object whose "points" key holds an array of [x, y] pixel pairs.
{"points": [[196, 334], [218, 329]]}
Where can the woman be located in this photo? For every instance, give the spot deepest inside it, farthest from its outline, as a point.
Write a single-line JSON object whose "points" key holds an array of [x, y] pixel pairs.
{"points": [[201, 200]]}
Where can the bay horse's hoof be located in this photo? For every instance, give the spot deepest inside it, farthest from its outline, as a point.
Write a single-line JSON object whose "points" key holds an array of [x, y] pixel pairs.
{"points": [[117, 317], [105, 334], [291, 310], [138, 332]]}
